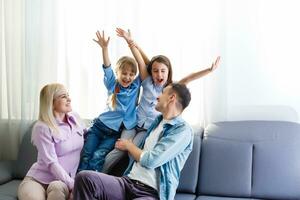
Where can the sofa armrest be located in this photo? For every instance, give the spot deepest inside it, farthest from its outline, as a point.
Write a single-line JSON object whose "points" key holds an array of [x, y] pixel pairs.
{"points": [[6, 170]]}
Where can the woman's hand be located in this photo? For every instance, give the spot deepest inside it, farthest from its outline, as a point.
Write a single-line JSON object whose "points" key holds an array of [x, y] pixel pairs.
{"points": [[70, 195]]}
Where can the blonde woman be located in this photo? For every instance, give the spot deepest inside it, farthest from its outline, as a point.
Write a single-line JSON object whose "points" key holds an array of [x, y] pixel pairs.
{"points": [[58, 137]]}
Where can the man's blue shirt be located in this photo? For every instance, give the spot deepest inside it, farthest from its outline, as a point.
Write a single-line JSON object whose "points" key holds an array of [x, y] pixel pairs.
{"points": [[169, 154]]}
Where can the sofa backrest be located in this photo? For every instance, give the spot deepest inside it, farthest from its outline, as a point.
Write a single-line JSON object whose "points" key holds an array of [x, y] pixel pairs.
{"points": [[189, 174], [258, 159], [27, 155]]}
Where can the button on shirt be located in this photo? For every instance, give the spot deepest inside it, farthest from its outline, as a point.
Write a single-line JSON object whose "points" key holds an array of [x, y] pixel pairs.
{"points": [[146, 112], [125, 111], [58, 154]]}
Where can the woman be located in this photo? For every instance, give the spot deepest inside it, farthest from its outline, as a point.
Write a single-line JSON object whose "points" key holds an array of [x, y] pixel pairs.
{"points": [[58, 137]]}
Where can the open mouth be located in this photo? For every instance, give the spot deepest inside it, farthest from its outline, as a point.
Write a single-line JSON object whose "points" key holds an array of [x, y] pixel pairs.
{"points": [[126, 82], [160, 81]]}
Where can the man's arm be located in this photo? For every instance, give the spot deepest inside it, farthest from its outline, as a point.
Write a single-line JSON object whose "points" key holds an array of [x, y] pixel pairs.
{"points": [[201, 73], [127, 145]]}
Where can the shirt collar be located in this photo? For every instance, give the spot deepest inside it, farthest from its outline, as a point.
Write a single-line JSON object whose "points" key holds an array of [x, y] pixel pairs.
{"points": [[70, 120], [175, 120]]}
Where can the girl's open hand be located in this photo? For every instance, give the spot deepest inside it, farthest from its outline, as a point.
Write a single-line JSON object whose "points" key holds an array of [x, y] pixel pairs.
{"points": [[215, 64], [101, 39], [126, 35]]}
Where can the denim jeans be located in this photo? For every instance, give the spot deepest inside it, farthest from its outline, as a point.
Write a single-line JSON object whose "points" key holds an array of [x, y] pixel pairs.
{"points": [[99, 142]]}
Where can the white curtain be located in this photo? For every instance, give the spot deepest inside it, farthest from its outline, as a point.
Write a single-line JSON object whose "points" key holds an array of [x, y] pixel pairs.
{"points": [[45, 41]]}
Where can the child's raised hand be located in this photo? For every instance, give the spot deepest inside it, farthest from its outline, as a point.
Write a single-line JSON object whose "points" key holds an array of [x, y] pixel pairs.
{"points": [[126, 35], [215, 64], [101, 39]]}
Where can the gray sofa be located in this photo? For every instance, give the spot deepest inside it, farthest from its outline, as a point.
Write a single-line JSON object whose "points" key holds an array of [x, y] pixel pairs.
{"points": [[236, 160]]}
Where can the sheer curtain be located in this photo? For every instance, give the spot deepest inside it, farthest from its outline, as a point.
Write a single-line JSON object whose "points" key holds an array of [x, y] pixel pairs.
{"points": [[45, 41], [28, 61]]}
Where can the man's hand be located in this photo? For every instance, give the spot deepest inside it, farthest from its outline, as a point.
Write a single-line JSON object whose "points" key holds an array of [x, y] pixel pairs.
{"points": [[123, 144], [127, 145]]}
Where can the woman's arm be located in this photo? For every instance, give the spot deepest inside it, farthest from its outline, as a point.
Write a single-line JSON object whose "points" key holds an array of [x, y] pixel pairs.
{"points": [[135, 52], [103, 43], [199, 74]]}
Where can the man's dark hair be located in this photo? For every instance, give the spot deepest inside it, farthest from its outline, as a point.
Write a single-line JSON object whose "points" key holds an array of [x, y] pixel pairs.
{"points": [[183, 94]]}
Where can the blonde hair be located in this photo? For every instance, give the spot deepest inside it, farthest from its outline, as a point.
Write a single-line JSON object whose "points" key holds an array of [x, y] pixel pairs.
{"points": [[47, 95], [122, 64]]}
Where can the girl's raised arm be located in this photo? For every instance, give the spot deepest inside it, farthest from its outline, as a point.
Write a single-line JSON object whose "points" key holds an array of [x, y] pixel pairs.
{"points": [[199, 74], [135, 52], [103, 43]]}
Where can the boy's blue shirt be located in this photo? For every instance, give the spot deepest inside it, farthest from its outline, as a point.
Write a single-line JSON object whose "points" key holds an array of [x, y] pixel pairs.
{"points": [[125, 111], [169, 154]]}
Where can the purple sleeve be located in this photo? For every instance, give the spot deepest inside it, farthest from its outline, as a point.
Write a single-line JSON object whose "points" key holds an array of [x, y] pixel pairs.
{"points": [[42, 139]]}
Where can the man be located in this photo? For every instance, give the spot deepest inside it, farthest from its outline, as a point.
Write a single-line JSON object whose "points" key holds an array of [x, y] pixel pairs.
{"points": [[154, 171]]}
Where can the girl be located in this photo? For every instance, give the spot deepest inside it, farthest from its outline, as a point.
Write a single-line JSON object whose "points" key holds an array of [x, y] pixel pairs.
{"points": [[121, 112], [58, 137], [154, 78]]}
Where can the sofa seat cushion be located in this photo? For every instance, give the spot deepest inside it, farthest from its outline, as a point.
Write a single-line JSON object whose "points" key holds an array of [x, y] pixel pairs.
{"points": [[183, 196], [9, 190], [222, 198]]}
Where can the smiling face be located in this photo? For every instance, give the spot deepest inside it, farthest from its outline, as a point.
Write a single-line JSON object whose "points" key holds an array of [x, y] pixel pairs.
{"points": [[159, 72], [62, 102], [125, 76], [164, 99]]}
